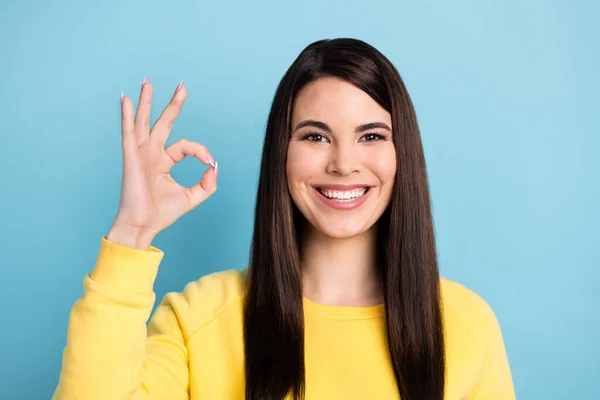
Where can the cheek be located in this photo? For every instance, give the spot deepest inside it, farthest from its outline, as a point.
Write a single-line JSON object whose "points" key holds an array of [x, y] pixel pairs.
{"points": [[302, 163], [383, 164]]}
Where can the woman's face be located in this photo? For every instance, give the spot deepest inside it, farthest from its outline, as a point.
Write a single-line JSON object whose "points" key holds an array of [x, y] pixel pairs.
{"points": [[341, 158]]}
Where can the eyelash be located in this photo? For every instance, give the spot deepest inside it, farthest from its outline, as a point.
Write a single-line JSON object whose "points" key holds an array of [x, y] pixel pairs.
{"points": [[310, 135]]}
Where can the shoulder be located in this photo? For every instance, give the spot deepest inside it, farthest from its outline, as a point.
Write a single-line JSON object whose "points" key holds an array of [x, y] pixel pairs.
{"points": [[221, 287], [206, 298], [466, 311]]}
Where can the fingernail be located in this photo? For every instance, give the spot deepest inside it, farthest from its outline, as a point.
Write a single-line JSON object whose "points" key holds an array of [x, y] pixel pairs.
{"points": [[216, 169], [145, 80], [179, 87], [211, 160], [121, 98]]}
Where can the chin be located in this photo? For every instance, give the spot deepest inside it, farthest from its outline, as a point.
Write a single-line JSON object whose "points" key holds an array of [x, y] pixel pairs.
{"points": [[340, 229]]}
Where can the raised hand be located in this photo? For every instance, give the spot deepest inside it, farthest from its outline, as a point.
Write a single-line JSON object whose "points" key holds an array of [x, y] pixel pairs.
{"points": [[151, 200]]}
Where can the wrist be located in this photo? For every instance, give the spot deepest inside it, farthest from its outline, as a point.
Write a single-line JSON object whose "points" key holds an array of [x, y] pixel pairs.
{"points": [[131, 237]]}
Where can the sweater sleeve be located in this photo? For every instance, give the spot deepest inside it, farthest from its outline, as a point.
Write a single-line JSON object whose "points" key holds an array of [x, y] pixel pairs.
{"points": [[495, 380], [111, 353]]}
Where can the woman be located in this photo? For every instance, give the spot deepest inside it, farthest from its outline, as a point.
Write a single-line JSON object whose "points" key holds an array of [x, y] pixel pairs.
{"points": [[342, 298]]}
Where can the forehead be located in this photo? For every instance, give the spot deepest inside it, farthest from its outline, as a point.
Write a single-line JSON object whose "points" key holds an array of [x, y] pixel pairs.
{"points": [[336, 102]]}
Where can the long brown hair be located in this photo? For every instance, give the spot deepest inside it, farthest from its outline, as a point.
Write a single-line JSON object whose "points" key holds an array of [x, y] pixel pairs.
{"points": [[406, 251]]}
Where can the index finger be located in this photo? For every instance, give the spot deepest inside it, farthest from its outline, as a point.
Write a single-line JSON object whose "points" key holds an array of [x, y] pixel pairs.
{"points": [[183, 147]]}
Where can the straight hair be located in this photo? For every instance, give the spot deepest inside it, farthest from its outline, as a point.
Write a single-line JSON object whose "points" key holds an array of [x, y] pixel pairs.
{"points": [[406, 250]]}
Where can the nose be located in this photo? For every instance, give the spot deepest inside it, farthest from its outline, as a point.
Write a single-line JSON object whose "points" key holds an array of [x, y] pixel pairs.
{"points": [[344, 159]]}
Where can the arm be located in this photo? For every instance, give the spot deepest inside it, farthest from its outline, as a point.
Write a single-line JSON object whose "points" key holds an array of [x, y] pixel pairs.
{"points": [[495, 380], [110, 353]]}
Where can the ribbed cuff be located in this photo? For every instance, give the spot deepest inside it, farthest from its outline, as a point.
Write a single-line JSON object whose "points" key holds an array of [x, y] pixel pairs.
{"points": [[127, 269]]}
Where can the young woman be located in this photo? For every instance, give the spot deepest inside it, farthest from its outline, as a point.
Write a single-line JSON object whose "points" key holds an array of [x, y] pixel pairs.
{"points": [[342, 298]]}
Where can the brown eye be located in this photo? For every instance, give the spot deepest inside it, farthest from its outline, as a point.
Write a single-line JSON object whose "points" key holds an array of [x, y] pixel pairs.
{"points": [[314, 137], [372, 137]]}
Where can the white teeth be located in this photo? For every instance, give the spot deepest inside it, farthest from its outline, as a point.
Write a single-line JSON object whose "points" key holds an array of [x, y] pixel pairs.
{"points": [[347, 195]]}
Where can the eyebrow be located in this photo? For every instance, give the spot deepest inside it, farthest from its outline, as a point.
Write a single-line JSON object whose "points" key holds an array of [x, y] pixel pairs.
{"points": [[325, 127]]}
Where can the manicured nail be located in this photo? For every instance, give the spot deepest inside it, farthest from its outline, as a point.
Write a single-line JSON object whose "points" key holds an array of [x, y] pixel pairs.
{"points": [[211, 160], [216, 169], [145, 81], [121, 98], [179, 87]]}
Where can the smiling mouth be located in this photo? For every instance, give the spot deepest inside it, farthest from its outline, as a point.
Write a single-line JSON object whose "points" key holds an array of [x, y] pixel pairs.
{"points": [[343, 196]]}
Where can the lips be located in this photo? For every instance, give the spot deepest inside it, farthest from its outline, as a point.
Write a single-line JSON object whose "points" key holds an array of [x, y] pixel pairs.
{"points": [[343, 197], [341, 187]]}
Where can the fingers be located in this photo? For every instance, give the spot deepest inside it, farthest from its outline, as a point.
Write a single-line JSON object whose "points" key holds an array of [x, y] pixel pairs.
{"points": [[181, 148], [142, 115], [205, 188], [162, 127], [208, 185], [127, 124]]}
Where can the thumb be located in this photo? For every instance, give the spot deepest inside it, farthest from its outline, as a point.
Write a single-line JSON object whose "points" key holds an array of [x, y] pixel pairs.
{"points": [[206, 187]]}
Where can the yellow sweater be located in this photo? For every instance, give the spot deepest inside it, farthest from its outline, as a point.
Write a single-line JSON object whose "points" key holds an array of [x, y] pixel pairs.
{"points": [[192, 347]]}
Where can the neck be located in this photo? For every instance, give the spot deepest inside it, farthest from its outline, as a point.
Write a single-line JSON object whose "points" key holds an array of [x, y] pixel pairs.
{"points": [[341, 271]]}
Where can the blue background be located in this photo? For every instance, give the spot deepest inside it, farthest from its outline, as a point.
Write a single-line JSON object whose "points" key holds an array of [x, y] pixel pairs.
{"points": [[507, 98]]}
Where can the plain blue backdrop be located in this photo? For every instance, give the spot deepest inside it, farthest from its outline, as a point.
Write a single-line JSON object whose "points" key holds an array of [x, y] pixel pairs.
{"points": [[506, 94]]}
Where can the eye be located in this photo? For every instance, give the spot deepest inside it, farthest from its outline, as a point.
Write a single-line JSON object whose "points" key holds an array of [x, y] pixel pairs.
{"points": [[314, 137], [372, 137]]}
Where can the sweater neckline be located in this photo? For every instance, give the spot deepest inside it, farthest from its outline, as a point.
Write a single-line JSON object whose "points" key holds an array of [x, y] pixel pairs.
{"points": [[342, 312]]}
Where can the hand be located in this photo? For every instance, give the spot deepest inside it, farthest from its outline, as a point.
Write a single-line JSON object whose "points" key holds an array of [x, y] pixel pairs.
{"points": [[151, 200]]}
